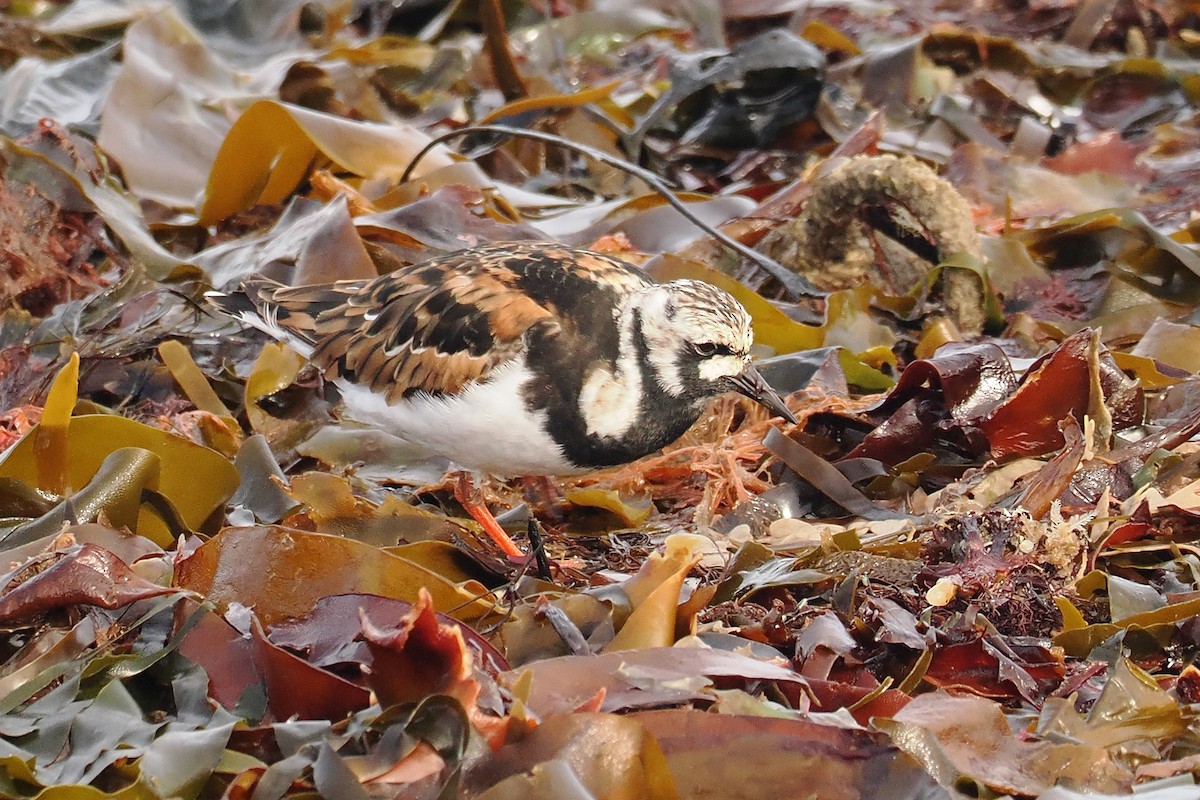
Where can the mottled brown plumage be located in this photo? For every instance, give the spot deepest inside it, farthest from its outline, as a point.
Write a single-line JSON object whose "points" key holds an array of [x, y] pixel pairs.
{"points": [[440, 325]]}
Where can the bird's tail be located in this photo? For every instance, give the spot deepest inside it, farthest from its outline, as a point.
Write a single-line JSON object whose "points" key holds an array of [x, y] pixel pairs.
{"points": [[250, 305]]}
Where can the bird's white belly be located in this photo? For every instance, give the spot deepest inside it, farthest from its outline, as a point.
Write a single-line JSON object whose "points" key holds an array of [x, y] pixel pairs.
{"points": [[486, 427]]}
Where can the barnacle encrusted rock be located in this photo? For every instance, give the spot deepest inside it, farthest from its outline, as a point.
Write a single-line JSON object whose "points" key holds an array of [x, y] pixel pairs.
{"points": [[833, 245]]}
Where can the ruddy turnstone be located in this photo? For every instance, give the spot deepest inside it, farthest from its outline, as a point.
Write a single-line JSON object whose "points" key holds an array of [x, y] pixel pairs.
{"points": [[518, 359]]}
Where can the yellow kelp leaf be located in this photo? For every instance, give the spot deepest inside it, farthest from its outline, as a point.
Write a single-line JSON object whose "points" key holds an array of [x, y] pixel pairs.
{"points": [[330, 506], [235, 762], [134, 791], [630, 510], [878, 357], [281, 573], [847, 540], [18, 769], [1144, 369], [115, 492], [441, 557], [50, 437], [680, 551], [275, 369], [551, 101], [223, 434], [861, 374], [388, 50], [915, 675], [519, 691], [828, 37], [189, 377], [196, 479], [326, 496], [1172, 343], [324, 187], [419, 525], [264, 157], [644, 202], [772, 327], [937, 332], [1072, 619], [1079, 642], [654, 593], [268, 151]]}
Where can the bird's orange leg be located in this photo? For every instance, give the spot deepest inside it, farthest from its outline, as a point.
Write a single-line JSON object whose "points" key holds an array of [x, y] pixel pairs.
{"points": [[471, 499]]}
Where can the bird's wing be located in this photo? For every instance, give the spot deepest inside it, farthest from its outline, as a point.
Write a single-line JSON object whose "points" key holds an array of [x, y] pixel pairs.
{"points": [[439, 325]]}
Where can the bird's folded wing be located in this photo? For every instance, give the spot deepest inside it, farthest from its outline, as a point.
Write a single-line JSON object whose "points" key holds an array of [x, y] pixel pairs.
{"points": [[432, 329]]}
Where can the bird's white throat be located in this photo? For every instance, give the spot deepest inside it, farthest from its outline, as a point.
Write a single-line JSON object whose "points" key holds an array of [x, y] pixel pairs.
{"points": [[713, 369]]}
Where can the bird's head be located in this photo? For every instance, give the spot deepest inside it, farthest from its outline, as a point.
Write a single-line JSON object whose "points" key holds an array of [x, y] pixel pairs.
{"points": [[697, 341]]}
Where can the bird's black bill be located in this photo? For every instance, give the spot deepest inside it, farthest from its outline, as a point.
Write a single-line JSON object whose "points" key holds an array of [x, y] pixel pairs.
{"points": [[751, 384]]}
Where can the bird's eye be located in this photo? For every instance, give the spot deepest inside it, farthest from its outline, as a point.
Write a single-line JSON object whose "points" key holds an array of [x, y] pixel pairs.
{"points": [[706, 349]]}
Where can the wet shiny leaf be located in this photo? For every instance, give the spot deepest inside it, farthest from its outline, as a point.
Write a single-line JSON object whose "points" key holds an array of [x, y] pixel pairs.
{"points": [[87, 575], [195, 479], [234, 567]]}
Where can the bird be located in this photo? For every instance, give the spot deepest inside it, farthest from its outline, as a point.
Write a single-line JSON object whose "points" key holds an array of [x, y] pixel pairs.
{"points": [[517, 359]]}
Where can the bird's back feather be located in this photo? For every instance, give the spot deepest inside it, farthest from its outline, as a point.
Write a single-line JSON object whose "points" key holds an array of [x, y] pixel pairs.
{"points": [[436, 326]]}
